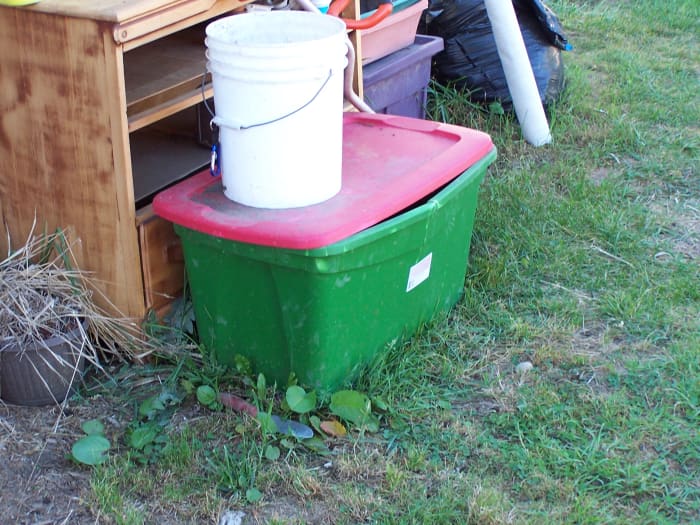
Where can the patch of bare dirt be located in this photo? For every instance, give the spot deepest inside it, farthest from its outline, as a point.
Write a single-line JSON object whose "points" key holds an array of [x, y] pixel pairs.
{"points": [[289, 510], [681, 219], [593, 341], [597, 176], [39, 484]]}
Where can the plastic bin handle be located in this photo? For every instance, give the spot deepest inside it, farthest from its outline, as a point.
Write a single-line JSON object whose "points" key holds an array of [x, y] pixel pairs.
{"points": [[383, 11]]}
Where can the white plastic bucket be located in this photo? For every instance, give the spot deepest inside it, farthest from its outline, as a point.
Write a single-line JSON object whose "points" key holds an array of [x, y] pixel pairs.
{"points": [[278, 94]]}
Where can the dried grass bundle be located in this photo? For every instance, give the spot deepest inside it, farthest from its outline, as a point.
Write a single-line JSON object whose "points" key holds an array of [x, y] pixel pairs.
{"points": [[38, 298], [43, 294]]}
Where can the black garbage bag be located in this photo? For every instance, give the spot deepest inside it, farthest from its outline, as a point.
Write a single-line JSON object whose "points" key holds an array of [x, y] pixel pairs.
{"points": [[470, 58]]}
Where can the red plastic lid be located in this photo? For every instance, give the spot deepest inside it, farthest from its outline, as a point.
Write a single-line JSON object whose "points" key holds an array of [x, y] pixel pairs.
{"points": [[389, 163]]}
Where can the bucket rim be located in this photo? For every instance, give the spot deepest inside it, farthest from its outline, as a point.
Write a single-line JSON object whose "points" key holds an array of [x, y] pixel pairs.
{"points": [[335, 27]]}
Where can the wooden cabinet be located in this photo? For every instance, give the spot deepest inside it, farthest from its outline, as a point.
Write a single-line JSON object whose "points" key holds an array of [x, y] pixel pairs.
{"points": [[99, 109]]}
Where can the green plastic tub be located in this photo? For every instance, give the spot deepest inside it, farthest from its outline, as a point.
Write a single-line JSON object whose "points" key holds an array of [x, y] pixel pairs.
{"points": [[323, 312]]}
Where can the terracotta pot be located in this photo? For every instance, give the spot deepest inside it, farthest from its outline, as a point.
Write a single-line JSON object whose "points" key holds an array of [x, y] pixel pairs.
{"points": [[42, 374]]}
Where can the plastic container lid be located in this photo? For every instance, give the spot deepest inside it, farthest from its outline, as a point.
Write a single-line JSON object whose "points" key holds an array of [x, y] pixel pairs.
{"points": [[423, 48], [389, 164]]}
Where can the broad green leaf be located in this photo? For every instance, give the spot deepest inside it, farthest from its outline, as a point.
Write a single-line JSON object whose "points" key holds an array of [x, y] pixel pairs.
{"points": [[315, 422], [354, 407], [272, 452], [299, 401], [206, 395], [142, 436], [253, 495], [150, 407], [94, 426], [91, 450]]}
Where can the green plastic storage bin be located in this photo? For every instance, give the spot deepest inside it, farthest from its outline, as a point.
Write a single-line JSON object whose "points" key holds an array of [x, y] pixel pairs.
{"points": [[323, 312]]}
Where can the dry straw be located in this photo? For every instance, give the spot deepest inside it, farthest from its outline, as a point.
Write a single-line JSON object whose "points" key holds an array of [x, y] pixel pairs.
{"points": [[43, 294]]}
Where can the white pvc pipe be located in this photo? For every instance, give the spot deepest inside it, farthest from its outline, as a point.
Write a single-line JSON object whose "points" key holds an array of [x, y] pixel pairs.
{"points": [[518, 71]]}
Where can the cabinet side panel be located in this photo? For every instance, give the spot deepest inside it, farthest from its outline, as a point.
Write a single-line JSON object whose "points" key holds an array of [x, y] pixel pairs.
{"points": [[63, 146]]}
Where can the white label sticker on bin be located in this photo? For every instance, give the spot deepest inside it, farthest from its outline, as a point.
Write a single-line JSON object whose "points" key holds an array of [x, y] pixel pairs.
{"points": [[419, 272]]}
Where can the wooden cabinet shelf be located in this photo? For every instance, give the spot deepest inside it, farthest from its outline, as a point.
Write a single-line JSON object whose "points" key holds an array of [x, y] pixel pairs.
{"points": [[166, 152], [190, 95], [165, 76], [100, 109]]}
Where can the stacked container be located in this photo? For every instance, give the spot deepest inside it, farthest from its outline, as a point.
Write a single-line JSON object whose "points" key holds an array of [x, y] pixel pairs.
{"points": [[396, 61], [318, 291], [395, 32]]}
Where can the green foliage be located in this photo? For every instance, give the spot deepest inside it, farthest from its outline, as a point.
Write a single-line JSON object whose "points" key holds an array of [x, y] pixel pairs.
{"points": [[272, 452], [151, 407], [92, 448], [236, 467], [299, 401], [142, 436], [208, 397], [92, 427], [253, 495], [267, 425], [356, 408], [147, 436]]}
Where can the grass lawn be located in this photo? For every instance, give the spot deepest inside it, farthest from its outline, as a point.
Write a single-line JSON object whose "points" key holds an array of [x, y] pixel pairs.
{"points": [[563, 388]]}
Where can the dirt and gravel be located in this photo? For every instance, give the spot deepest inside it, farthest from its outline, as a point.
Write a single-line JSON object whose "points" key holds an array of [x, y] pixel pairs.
{"points": [[39, 484]]}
